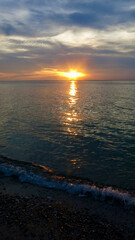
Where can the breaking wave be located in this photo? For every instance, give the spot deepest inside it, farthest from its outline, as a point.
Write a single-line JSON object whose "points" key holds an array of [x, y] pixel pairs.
{"points": [[102, 194]]}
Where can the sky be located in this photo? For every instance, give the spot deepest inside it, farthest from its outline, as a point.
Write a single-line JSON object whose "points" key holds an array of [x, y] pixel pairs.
{"points": [[39, 38]]}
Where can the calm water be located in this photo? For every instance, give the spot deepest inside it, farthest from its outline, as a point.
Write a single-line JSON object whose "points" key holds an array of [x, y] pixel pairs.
{"points": [[84, 129]]}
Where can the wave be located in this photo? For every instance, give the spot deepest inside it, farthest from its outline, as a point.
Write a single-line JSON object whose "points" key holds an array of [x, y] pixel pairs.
{"points": [[75, 188]]}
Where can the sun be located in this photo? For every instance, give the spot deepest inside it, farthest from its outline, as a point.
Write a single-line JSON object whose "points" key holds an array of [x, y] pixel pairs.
{"points": [[73, 74]]}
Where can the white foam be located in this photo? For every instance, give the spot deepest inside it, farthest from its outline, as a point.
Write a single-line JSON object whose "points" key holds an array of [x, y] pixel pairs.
{"points": [[102, 194]]}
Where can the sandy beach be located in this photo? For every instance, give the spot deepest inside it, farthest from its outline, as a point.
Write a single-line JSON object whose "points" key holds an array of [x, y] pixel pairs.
{"points": [[31, 212]]}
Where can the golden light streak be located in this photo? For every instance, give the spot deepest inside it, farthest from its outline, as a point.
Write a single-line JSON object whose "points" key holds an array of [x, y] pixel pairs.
{"points": [[54, 73], [73, 74], [72, 91], [72, 116]]}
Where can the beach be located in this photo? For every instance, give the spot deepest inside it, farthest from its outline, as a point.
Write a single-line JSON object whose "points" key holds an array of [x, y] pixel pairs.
{"points": [[32, 212]]}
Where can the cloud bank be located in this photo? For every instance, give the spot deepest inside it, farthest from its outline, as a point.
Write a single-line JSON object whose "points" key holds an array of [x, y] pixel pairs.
{"points": [[37, 35]]}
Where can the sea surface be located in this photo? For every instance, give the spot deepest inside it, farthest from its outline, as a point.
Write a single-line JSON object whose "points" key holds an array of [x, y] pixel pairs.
{"points": [[81, 130]]}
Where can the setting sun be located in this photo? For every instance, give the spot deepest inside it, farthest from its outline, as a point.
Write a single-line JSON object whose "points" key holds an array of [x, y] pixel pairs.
{"points": [[72, 74]]}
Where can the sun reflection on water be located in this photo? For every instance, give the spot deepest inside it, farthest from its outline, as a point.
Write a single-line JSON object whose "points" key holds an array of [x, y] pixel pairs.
{"points": [[72, 115], [76, 163], [71, 120], [72, 93], [72, 90]]}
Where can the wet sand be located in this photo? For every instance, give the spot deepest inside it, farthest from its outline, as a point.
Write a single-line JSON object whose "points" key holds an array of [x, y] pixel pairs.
{"points": [[32, 212]]}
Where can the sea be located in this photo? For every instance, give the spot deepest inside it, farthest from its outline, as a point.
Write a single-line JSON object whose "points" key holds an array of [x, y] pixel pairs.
{"points": [[76, 136]]}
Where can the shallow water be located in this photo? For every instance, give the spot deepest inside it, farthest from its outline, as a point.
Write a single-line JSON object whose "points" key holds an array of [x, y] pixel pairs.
{"points": [[84, 129]]}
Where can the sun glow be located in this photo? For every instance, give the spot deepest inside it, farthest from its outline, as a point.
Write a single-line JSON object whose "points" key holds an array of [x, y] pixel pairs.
{"points": [[72, 91], [73, 74]]}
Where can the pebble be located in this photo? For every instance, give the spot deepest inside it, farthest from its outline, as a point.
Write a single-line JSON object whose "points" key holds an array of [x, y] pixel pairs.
{"points": [[32, 217]]}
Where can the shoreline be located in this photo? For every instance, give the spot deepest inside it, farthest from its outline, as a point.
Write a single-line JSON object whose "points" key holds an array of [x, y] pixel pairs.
{"points": [[62, 214], [46, 178]]}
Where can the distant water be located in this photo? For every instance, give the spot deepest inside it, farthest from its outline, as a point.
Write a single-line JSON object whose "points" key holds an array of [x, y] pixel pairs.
{"points": [[79, 129]]}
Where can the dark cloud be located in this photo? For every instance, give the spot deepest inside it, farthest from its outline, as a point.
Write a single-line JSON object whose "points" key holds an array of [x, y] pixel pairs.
{"points": [[97, 7], [8, 29], [30, 28], [44, 15], [132, 14], [82, 19], [99, 14]]}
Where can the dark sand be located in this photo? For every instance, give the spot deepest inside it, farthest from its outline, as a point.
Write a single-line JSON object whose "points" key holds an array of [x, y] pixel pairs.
{"points": [[32, 212]]}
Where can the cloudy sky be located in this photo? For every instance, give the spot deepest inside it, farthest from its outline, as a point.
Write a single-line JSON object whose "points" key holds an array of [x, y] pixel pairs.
{"points": [[39, 38]]}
